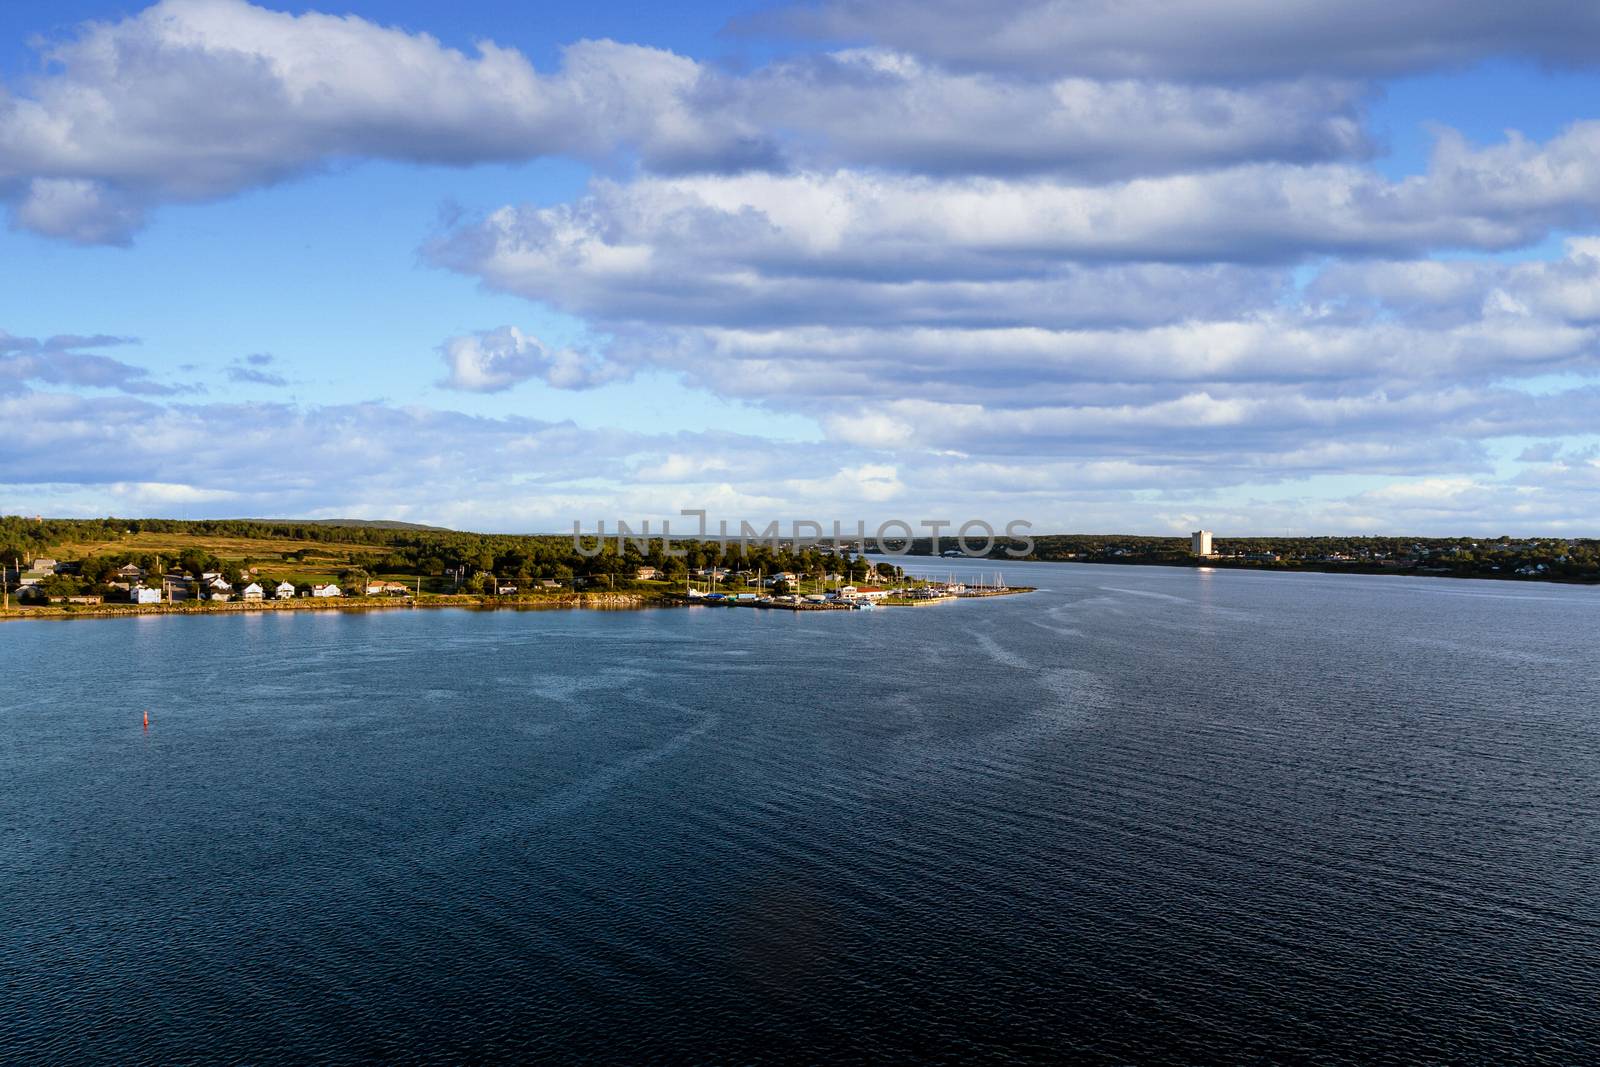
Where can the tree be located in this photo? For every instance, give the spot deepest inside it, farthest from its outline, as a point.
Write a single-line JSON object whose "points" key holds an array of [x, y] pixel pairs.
{"points": [[197, 561]]}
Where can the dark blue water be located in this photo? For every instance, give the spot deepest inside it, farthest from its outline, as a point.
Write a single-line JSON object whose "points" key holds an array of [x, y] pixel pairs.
{"points": [[1143, 815]]}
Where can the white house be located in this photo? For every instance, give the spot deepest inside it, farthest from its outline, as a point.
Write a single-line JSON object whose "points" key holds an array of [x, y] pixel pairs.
{"points": [[253, 591], [218, 589], [505, 589], [329, 590], [283, 591], [141, 594]]}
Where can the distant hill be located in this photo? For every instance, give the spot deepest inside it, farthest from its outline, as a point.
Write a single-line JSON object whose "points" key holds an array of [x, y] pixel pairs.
{"points": [[370, 524]]}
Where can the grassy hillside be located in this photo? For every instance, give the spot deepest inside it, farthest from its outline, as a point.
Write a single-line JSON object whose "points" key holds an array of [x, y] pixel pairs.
{"points": [[225, 548]]}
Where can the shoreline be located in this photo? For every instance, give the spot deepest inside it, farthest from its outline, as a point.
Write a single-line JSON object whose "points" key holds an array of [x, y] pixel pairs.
{"points": [[607, 601], [1310, 568], [569, 601]]}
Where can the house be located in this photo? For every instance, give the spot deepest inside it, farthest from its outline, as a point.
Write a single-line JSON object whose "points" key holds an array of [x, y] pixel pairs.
{"points": [[645, 573], [505, 589], [283, 591], [549, 583], [329, 590], [141, 594], [378, 587], [870, 592], [130, 572], [217, 588], [253, 591], [44, 566]]}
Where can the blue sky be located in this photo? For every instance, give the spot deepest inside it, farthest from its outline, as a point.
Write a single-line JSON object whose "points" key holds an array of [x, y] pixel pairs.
{"points": [[1141, 271]]}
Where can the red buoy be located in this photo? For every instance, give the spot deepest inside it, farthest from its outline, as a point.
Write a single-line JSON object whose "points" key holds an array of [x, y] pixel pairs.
{"points": [[147, 718]]}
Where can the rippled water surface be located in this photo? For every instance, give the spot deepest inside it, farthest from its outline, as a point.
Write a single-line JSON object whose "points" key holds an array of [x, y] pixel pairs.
{"points": [[1144, 814]]}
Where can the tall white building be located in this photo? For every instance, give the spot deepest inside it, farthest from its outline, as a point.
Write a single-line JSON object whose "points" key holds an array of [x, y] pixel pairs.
{"points": [[1200, 542]]}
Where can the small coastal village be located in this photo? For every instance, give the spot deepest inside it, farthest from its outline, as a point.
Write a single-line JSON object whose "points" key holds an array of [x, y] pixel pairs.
{"points": [[47, 581], [155, 566]]}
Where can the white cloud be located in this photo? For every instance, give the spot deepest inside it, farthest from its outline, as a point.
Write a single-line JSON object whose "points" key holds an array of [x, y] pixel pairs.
{"points": [[160, 494], [197, 99], [720, 249], [192, 100], [492, 361]]}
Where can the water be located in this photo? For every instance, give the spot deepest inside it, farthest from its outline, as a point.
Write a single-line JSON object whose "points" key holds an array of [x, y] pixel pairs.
{"points": [[1143, 815]]}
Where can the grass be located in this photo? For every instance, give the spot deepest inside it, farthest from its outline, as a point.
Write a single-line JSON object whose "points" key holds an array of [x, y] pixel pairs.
{"points": [[224, 548]]}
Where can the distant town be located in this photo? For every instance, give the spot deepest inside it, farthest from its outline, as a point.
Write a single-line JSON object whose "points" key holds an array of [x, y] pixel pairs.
{"points": [[1511, 558]]}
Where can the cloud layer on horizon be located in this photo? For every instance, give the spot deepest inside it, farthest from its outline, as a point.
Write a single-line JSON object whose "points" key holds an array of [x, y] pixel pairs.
{"points": [[96, 455]]}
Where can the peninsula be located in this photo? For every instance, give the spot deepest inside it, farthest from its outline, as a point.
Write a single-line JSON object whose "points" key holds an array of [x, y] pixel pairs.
{"points": [[68, 567]]}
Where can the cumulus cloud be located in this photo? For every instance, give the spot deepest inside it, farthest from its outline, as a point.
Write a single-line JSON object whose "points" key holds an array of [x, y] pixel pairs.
{"points": [[712, 241], [76, 209], [972, 321], [192, 100], [823, 291], [73, 454], [492, 361], [196, 99], [1441, 293], [1221, 40]]}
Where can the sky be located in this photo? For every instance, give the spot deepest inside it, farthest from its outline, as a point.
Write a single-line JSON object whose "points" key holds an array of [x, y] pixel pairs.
{"points": [[1144, 267]]}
